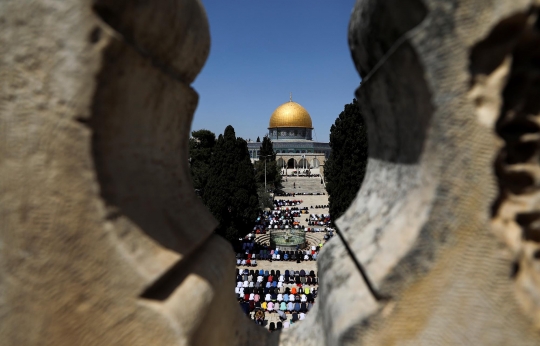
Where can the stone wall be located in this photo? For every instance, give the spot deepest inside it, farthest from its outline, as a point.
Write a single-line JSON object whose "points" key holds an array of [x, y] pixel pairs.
{"points": [[103, 240]]}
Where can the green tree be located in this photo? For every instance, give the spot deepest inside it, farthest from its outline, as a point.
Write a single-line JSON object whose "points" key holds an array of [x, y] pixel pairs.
{"points": [[345, 168], [201, 145], [273, 175], [231, 191], [258, 139]]}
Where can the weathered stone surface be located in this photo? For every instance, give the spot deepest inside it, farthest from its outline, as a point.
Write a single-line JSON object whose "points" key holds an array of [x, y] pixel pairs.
{"points": [[103, 240], [421, 225]]}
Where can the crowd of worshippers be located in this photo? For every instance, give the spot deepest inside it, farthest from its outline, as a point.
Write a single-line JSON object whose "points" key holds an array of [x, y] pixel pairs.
{"points": [[277, 219], [286, 202], [294, 194], [319, 220], [293, 291], [251, 251]]}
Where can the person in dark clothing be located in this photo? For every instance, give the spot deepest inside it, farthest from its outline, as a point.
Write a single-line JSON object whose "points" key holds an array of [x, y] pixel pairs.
{"points": [[294, 317], [245, 307], [303, 307]]}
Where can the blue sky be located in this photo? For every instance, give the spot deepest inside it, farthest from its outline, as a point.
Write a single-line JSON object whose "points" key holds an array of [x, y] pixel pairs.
{"points": [[263, 49]]}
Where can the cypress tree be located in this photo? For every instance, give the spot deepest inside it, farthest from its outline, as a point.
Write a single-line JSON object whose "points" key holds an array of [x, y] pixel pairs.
{"points": [[201, 145], [231, 191], [273, 175], [345, 168]]}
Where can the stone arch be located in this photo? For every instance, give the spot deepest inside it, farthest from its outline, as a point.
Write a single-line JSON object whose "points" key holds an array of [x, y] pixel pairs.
{"points": [[291, 163], [280, 163], [315, 163], [303, 164]]}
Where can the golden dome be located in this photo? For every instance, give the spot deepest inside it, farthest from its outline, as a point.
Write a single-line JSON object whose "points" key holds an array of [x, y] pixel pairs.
{"points": [[290, 114]]}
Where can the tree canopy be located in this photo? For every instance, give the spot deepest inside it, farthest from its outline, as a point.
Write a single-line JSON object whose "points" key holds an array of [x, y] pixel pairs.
{"points": [[231, 190], [201, 145], [273, 176], [345, 168]]}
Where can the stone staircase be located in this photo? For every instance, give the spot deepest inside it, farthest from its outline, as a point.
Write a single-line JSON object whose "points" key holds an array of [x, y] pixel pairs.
{"points": [[302, 185]]}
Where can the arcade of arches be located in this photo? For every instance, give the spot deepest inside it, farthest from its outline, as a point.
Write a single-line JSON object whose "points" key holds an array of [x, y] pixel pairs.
{"points": [[301, 161]]}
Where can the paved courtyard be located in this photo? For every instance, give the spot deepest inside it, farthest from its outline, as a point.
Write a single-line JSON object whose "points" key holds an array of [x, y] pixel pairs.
{"points": [[297, 185]]}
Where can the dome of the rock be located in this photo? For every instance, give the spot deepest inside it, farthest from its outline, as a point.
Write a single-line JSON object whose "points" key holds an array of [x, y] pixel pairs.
{"points": [[290, 114]]}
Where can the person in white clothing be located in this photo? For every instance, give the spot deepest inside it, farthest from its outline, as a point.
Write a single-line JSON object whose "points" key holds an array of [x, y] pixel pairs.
{"points": [[302, 316]]}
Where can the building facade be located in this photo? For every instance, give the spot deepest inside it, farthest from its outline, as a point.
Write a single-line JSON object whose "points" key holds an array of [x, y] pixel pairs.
{"points": [[290, 129]]}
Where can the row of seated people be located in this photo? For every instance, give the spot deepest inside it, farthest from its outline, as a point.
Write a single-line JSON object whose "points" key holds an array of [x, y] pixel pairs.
{"points": [[322, 206], [275, 282], [248, 249], [293, 194], [319, 217], [248, 244], [319, 220], [319, 223], [290, 306], [316, 229], [295, 209], [258, 293], [278, 272], [246, 263], [293, 225], [297, 256], [290, 294], [285, 307], [286, 202], [297, 310], [283, 322]]}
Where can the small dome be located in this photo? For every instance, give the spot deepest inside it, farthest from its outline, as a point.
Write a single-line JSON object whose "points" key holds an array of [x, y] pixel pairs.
{"points": [[290, 114]]}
